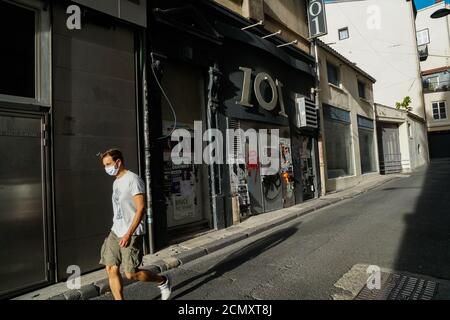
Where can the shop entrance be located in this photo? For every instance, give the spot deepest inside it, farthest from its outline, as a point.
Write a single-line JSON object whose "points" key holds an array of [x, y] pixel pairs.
{"points": [[186, 186], [269, 186], [23, 232], [307, 167]]}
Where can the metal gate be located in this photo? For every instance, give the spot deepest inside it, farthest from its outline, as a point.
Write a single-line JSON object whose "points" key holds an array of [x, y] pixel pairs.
{"points": [[264, 185], [23, 224], [389, 148]]}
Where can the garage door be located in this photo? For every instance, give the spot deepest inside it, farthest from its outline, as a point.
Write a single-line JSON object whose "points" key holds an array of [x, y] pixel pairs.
{"points": [[23, 216], [389, 148], [439, 144]]}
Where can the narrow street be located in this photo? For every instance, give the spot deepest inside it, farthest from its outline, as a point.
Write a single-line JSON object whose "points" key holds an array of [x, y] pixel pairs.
{"points": [[402, 225]]}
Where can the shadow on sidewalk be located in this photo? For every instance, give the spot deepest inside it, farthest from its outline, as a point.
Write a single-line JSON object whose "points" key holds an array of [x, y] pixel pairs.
{"points": [[425, 247], [236, 259]]}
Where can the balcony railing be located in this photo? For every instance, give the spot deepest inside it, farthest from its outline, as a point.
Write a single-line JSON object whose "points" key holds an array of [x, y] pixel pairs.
{"points": [[423, 52]]}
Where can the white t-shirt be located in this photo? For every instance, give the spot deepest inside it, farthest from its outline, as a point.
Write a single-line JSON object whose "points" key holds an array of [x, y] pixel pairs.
{"points": [[124, 190]]}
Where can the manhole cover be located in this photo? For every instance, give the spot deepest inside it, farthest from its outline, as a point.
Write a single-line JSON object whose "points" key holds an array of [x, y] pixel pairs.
{"points": [[396, 286]]}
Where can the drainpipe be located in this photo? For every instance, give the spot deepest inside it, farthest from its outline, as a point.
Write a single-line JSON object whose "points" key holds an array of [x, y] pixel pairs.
{"points": [[323, 176], [212, 123], [448, 36], [375, 129], [147, 154]]}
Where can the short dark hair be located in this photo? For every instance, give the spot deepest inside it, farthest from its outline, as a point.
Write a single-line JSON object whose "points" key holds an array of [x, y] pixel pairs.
{"points": [[115, 154]]}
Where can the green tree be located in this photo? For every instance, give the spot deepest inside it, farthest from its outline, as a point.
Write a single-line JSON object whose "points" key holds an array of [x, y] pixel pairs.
{"points": [[405, 104]]}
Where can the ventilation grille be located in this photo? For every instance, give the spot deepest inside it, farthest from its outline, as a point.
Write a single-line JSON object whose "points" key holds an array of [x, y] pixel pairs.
{"points": [[238, 143], [306, 113]]}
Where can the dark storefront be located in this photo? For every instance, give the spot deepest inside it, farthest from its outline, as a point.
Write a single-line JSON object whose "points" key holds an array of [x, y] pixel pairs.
{"points": [[68, 95], [262, 88], [207, 68]]}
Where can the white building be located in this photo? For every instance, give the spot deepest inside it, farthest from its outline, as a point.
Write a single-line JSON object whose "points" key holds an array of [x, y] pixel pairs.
{"points": [[433, 36], [380, 36]]}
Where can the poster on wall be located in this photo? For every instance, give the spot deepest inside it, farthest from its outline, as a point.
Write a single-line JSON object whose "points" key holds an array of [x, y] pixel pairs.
{"points": [[182, 178], [287, 172], [286, 155], [179, 185], [184, 207]]}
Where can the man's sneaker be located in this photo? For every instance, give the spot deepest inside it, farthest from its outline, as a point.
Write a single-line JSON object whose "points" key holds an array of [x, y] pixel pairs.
{"points": [[166, 289]]}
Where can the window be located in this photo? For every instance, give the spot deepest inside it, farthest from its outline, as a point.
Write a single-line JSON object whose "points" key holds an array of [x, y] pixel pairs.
{"points": [[433, 83], [18, 62], [339, 146], [25, 64], [439, 81], [333, 74], [366, 144], [362, 89], [439, 110], [423, 37], [343, 34]]}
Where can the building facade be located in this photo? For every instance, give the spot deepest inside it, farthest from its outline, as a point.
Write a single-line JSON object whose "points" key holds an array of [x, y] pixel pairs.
{"points": [[68, 93], [134, 74], [126, 74], [348, 121], [400, 139], [241, 74], [433, 37], [380, 36]]}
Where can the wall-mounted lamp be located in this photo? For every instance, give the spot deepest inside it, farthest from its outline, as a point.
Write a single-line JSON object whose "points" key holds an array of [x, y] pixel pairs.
{"points": [[440, 13]]}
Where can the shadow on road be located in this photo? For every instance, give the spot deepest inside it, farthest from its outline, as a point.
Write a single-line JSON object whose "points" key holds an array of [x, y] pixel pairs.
{"points": [[236, 259], [425, 248]]}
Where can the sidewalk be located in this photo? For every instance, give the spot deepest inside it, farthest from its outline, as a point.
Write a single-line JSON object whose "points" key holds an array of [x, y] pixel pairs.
{"points": [[96, 283]]}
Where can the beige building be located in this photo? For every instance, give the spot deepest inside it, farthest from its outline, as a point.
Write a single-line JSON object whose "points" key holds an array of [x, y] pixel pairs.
{"points": [[346, 158], [277, 16], [433, 36], [348, 121]]}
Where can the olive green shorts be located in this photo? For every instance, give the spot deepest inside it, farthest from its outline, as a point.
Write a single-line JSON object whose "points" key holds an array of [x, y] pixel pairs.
{"points": [[129, 258]]}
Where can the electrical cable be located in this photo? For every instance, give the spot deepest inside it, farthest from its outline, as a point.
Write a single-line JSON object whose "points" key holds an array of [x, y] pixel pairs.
{"points": [[393, 53], [369, 43], [175, 124]]}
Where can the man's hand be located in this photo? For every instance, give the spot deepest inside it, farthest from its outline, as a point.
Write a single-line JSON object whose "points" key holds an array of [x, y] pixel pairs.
{"points": [[125, 241], [139, 200]]}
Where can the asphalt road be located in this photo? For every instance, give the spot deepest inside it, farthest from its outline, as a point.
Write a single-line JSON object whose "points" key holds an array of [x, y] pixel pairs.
{"points": [[403, 225]]}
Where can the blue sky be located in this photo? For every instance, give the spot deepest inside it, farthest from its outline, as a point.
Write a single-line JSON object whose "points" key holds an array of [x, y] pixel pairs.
{"points": [[425, 3]]}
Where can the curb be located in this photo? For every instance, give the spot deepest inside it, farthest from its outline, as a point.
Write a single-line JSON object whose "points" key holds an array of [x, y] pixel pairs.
{"points": [[101, 287]]}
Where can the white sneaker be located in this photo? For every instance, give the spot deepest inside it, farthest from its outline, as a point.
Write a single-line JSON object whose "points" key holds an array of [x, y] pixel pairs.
{"points": [[166, 289]]}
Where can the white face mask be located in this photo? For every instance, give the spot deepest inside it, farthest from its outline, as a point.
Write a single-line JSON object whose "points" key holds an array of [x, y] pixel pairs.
{"points": [[112, 170]]}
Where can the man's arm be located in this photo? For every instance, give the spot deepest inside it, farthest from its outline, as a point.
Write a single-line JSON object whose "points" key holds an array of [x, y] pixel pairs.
{"points": [[139, 201]]}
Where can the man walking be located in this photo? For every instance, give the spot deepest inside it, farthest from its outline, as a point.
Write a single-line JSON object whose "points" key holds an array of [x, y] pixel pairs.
{"points": [[123, 247]]}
